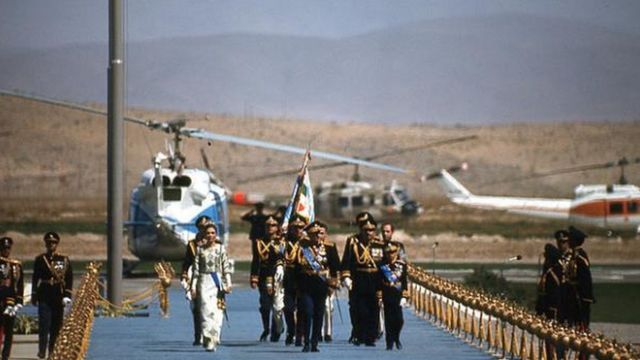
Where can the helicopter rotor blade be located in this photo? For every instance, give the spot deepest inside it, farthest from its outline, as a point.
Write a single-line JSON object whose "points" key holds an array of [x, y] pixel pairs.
{"points": [[607, 165], [206, 135], [367, 158]]}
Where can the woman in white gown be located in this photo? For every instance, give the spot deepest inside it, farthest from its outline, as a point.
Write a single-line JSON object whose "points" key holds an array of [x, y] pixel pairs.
{"points": [[211, 281]]}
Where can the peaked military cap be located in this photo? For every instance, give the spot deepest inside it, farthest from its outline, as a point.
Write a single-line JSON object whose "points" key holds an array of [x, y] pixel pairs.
{"points": [[298, 221], [315, 227], [576, 236], [367, 225], [271, 220], [561, 235], [52, 236], [364, 218], [6, 242]]}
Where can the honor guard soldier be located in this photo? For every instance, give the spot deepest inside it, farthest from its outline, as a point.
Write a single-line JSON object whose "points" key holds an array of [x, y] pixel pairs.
{"points": [[317, 264], [187, 276], [295, 234], [394, 286], [363, 254], [11, 290], [263, 268], [549, 301], [582, 279], [52, 283]]}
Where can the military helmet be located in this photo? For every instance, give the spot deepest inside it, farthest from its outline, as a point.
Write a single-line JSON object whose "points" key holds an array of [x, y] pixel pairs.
{"points": [[51, 236]]}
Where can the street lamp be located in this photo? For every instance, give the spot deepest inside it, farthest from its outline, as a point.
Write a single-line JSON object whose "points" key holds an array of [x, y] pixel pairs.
{"points": [[506, 261]]}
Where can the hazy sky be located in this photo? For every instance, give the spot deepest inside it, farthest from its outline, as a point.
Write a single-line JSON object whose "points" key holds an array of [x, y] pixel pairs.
{"points": [[45, 23]]}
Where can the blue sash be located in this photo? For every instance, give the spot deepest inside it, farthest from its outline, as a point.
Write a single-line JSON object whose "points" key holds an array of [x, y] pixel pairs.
{"points": [[216, 280], [390, 276], [313, 262]]}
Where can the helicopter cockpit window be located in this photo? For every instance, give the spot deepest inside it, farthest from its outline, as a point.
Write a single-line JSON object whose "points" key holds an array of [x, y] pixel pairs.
{"points": [[633, 207], [615, 208], [402, 195], [357, 201], [182, 181], [387, 200], [343, 201], [166, 181], [171, 193]]}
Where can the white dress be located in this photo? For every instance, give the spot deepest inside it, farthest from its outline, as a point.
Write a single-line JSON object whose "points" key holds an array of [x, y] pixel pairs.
{"points": [[212, 276]]}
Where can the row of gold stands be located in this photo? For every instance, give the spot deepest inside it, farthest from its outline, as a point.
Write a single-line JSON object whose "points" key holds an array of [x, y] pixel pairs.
{"points": [[73, 340], [502, 328]]}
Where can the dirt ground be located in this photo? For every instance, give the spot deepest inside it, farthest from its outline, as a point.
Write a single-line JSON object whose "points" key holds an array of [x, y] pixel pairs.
{"points": [[451, 247]]}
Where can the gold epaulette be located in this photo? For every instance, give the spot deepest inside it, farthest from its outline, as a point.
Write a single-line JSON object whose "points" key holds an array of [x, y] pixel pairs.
{"points": [[586, 262], [11, 261], [328, 243]]}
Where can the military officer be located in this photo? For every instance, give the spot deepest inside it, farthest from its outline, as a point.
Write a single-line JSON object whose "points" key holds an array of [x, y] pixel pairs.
{"points": [[549, 301], [317, 264], [263, 266], [256, 217], [52, 284], [363, 254], [581, 280], [394, 286], [187, 276], [295, 234], [11, 290]]}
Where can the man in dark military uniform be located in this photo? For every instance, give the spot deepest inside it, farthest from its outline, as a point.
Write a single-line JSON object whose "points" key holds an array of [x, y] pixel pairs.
{"points": [[186, 277], [581, 283], [317, 264], [256, 217], [295, 322], [363, 254], [263, 267], [549, 301], [394, 286], [11, 290], [52, 284]]}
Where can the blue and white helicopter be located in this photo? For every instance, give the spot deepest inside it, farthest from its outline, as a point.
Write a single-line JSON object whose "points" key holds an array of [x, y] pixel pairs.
{"points": [[170, 196]]}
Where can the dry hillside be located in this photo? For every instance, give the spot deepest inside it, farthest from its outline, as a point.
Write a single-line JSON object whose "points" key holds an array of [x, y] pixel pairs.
{"points": [[52, 153]]}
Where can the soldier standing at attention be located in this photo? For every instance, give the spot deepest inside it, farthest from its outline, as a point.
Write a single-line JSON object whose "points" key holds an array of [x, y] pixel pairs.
{"points": [[11, 290], [363, 254], [52, 283], [263, 268], [581, 282], [394, 286], [187, 276], [295, 322], [549, 302], [317, 264]]}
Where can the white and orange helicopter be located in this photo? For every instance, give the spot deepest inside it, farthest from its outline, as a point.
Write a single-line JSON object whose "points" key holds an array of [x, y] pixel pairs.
{"points": [[615, 208]]}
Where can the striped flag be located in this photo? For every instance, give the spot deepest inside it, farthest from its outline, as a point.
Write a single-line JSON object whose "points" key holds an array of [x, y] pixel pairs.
{"points": [[301, 201]]}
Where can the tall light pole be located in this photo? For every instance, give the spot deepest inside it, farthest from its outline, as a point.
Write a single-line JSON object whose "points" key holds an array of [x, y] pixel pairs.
{"points": [[433, 249], [115, 140]]}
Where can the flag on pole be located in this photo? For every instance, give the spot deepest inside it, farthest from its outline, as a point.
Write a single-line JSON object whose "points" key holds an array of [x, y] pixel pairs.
{"points": [[301, 201]]}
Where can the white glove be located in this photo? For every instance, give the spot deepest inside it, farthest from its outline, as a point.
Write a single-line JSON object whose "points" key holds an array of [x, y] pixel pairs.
{"points": [[187, 295], [17, 308], [185, 284], [348, 283], [9, 311], [279, 274], [66, 301], [403, 302]]}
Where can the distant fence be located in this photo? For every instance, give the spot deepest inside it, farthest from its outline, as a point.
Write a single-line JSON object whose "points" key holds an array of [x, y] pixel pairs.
{"points": [[503, 328]]}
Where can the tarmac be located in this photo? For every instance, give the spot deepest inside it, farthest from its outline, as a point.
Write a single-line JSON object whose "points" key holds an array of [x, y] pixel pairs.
{"points": [[152, 336]]}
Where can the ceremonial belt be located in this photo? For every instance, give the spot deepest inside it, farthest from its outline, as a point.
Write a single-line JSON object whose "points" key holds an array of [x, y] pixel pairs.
{"points": [[323, 273], [368, 270], [51, 281]]}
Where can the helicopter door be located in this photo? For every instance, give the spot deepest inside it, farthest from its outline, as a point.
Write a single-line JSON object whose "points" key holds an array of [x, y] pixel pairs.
{"points": [[615, 210]]}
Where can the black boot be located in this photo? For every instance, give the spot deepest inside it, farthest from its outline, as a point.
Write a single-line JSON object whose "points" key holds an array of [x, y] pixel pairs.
{"points": [[263, 336], [289, 340], [314, 348], [398, 345], [306, 348], [389, 345]]}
